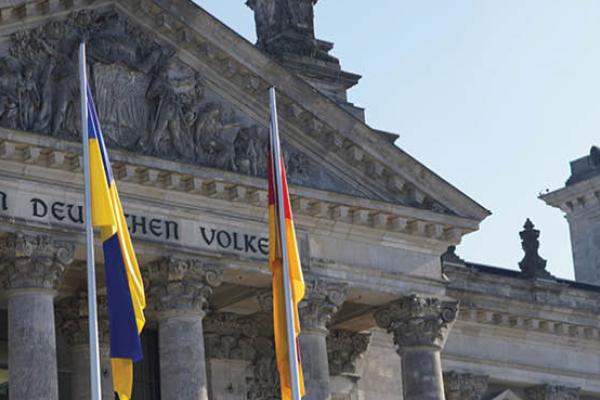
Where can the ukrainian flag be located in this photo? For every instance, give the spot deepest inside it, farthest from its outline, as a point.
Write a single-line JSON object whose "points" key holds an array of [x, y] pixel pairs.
{"points": [[126, 299]]}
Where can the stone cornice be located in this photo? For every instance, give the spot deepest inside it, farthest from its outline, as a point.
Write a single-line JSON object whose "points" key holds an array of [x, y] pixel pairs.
{"points": [[355, 144], [578, 198], [469, 284], [36, 150], [487, 316]]}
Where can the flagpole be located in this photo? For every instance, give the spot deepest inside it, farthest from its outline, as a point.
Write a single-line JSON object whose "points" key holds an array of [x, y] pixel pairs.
{"points": [[95, 387], [287, 289]]}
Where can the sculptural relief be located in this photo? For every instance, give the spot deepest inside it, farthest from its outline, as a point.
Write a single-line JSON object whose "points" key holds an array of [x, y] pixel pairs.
{"points": [[148, 100]]}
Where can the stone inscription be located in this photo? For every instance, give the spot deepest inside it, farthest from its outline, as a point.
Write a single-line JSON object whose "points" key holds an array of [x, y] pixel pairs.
{"points": [[141, 225]]}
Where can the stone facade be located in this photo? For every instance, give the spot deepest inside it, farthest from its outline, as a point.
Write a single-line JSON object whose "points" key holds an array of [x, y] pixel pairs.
{"points": [[182, 101]]}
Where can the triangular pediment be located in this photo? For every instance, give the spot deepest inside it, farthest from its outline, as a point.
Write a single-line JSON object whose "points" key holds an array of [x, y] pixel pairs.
{"points": [[164, 91]]}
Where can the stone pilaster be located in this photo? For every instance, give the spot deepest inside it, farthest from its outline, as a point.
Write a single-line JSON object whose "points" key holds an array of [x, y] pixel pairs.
{"points": [[321, 301], [180, 290], [72, 317], [31, 269], [464, 386], [552, 392], [343, 349], [420, 327]]}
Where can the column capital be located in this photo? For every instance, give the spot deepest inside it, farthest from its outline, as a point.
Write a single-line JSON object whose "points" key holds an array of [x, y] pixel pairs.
{"points": [[72, 317], [464, 386], [33, 261], [230, 336], [322, 299], [180, 286], [344, 348], [552, 392], [417, 321]]}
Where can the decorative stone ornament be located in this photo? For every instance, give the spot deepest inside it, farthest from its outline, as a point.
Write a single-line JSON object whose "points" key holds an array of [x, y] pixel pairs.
{"points": [[321, 301], [344, 348], [552, 392], [464, 386], [532, 265], [72, 318], [417, 321], [180, 286], [230, 336], [28, 261]]}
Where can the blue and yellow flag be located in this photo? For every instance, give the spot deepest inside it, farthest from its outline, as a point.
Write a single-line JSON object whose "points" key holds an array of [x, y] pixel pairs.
{"points": [[126, 300]]}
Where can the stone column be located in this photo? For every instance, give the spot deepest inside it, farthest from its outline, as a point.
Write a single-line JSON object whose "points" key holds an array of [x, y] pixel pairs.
{"points": [[420, 328], [463, 386], [72, 314], [180, 290], [321, 301], [552, 392], [31, 268]]}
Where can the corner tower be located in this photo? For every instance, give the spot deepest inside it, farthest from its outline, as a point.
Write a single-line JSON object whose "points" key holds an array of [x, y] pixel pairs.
{"points": [[580, 201]]}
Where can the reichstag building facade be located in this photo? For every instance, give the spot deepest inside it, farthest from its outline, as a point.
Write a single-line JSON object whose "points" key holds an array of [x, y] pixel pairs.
{"points": [[391, 310]]}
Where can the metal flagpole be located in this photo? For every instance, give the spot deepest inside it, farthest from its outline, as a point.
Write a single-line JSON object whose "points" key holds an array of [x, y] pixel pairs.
{"points": [[95, 388], [287, 289]]}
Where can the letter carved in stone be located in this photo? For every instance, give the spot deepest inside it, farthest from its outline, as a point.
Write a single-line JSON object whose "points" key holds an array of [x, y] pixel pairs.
{"points": [[417, 321], [28, 261], [344, 348]]}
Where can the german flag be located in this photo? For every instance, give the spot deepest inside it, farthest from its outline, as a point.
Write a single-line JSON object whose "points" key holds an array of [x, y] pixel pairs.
{"points": [[281, 226]]}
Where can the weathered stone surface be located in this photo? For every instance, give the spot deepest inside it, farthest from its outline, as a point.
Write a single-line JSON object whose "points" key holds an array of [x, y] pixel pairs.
{"points": [[72, 320], [532, 265], [552, 392], [230, 336], [28, 261], [323, 298], [464, 386], [416, 321], [343, 349], [265, 381], [420, 328], [180, 290], [31, 268], [181, 286]]}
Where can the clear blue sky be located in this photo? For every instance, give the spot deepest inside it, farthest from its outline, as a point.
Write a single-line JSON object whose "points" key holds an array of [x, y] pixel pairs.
{"points": [[495, 96]]}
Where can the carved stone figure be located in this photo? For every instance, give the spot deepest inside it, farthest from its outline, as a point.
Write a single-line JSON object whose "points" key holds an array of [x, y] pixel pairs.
{"points": [[167, 133], [230, 336], [265, 382]]}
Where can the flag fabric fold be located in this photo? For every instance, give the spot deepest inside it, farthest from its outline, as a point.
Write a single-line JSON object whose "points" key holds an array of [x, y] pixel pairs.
{"points": [[125, 290], [276, 266]]}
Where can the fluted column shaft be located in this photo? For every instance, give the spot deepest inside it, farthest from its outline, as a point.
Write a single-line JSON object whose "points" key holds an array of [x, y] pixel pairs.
{"points": [[321, 301], [180, 290], [420, 327], [31, 269]]}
